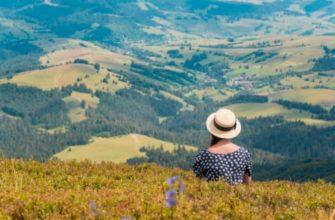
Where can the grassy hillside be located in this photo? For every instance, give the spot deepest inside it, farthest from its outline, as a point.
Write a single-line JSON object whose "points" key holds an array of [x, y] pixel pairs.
{"points": [[69, 74], [116, 149], [254, 110], [56, 190], [325, 97]]}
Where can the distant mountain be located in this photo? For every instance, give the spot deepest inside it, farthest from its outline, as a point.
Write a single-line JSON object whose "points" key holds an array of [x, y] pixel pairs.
{"points": [[113, 22]]}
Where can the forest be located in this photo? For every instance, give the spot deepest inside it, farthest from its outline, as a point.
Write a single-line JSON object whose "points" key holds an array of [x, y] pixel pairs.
{"points": [[129, 111]]}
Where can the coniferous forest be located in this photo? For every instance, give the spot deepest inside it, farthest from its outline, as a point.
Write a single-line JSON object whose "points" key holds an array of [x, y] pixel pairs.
{"points": [[131, 112]]}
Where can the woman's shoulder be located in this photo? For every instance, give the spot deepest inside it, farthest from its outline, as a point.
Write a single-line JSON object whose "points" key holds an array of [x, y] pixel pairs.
{"points": [[244, 150], [202, 153]]}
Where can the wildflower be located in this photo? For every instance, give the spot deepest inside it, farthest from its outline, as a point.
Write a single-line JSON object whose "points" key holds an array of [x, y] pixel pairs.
{"points": [[172, 180], [171, 198], [171, 194]]}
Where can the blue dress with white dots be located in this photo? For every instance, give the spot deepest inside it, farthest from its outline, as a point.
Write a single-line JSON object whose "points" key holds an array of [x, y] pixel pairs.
{"points": [[230, 167]]}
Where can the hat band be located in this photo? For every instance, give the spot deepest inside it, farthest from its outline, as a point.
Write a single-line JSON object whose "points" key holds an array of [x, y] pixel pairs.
{"points": [[224, 128]]}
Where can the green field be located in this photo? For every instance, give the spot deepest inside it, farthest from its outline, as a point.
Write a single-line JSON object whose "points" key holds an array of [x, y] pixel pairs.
{"points": [[116, 149]]}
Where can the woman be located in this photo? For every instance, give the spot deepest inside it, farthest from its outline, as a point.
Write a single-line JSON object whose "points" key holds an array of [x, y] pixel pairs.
{"points": [[223, 159]]}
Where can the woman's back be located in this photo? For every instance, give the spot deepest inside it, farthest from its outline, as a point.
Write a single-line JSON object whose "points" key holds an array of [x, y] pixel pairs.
{"points": [[231, 167], [223, 159]]}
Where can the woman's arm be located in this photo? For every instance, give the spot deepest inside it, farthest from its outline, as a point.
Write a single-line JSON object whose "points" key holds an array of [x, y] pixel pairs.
{"points": [[248, 170], [247, 179]]}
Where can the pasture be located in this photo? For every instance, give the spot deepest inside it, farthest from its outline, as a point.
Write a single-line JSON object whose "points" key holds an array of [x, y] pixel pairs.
{"points": [[324, 97], [116, 149], [69, 74]]}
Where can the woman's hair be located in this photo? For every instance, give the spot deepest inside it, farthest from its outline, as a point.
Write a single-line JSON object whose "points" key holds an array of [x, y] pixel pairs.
{"points": [[214, 140]]}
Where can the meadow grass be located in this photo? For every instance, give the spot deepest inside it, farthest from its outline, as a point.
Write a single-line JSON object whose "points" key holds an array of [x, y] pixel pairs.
{"points": [[67, 51], [117, 149], [255, 110], [53, 77], [58, 190], [77, 112], [69, 74], [324, 97]]}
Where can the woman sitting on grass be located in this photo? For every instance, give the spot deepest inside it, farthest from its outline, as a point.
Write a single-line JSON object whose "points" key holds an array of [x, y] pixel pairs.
{"points": [[223, 159]]}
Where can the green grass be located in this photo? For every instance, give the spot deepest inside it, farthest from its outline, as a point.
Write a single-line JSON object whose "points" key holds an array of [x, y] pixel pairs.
{"points": [[116, 149], [57, 190]]}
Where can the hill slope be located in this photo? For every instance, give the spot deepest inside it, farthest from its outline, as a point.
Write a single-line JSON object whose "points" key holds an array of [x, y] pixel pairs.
{"points": [[116, 149], [31, 190]]}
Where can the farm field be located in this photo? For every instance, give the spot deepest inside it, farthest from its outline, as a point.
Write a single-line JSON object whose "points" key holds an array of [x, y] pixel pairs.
{"points": [[117, 149], [58, 190]]}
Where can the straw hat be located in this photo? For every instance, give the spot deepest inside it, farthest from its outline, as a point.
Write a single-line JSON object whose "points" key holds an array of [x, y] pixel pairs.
{"points": [[223, 124]]}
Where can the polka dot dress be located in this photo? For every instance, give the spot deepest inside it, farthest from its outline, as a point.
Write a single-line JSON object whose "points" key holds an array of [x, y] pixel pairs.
{"points": [[229, 167]]}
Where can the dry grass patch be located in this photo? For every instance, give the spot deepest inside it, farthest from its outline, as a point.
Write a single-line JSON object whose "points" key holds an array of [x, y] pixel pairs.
{"points": [[117, 149]]}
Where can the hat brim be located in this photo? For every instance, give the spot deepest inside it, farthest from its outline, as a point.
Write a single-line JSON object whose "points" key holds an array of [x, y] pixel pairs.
{"points": [[222, 134]]}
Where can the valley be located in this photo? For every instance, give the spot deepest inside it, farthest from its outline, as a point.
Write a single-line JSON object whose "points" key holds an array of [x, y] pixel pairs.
{"points": [[78, 83]]}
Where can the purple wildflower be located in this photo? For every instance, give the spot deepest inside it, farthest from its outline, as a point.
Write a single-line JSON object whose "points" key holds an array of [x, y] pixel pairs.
{"points": [[171, 198], [172, 180]]}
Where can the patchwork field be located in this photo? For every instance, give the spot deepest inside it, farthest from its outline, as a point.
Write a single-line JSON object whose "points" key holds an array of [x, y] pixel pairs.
{"points": [[117, 149]]}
